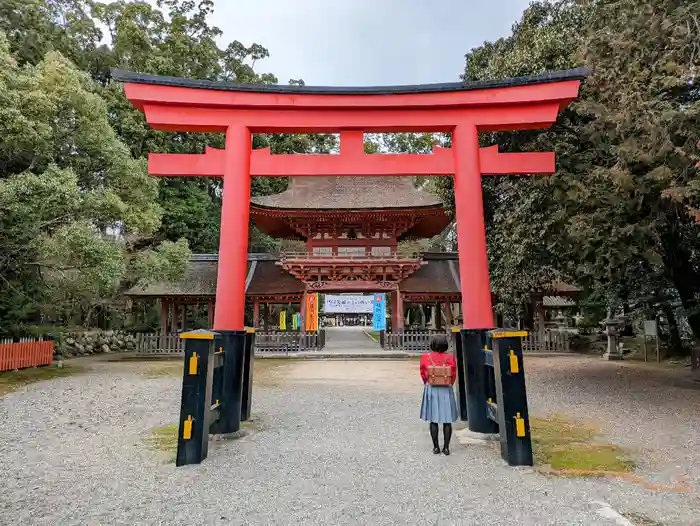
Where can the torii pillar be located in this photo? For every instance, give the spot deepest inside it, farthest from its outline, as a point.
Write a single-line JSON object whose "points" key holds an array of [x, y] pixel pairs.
{"points": [[235, 216]]}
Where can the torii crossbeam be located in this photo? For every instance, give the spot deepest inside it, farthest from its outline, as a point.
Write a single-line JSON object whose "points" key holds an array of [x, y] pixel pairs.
{"points": [[464, 109]]}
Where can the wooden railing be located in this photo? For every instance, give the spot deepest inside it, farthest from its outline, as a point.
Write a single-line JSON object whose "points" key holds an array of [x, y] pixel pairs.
{"points": [[409, 341], [287, 341], [394, 256], [155, 343], [25, 352], [547, 341]]}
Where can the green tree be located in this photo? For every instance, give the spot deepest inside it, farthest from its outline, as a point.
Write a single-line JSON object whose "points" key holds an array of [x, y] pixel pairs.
{"points": [[616, 218], [72, 199]]}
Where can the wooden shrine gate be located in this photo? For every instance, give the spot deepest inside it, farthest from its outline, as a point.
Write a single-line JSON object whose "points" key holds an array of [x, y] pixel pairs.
{"points": [[462, 109]]}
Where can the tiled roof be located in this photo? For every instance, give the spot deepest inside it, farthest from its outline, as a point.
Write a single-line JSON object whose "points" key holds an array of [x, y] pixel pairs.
{"points": [[557, 302], [440, 275], [349, 193]]}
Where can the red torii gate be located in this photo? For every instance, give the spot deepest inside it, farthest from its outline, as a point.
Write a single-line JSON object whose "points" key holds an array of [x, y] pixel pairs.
{"points": [[464, 109]]}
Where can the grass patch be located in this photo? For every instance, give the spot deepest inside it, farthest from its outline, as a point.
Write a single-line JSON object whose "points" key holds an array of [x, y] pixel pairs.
{"points": [[641, 520], [13, 380], [169, 369], [265, 370], [373, 334], [568, 448], [163, 439]]}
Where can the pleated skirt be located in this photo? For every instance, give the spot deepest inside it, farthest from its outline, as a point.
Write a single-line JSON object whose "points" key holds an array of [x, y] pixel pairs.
{"points": [[439, 404]]}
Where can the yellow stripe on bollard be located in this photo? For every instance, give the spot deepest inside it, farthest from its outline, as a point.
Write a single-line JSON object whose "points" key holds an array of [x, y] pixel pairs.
{"points": [[187, 428], [514, 366], [519, 425], [193, 363], [509, 334]]}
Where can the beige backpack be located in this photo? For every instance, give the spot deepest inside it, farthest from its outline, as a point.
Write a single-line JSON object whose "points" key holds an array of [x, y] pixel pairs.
{"points": [[439, 375]]}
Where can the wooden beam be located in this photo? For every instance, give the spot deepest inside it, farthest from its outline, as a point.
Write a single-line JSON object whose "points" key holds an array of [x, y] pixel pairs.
{"points": [[265, 164]]}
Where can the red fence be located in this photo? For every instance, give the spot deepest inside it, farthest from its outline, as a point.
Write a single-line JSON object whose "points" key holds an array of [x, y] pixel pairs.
{"points": [[25, 354]]}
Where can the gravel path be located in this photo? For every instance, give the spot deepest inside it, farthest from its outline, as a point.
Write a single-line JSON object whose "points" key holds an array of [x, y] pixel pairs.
{"points": [[340, 444]]}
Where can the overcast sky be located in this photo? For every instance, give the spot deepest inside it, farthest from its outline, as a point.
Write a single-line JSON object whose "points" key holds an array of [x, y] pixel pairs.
{"points": [[365, 42]]}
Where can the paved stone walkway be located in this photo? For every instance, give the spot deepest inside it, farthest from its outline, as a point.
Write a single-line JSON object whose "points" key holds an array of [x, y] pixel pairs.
{"points": [[340, 443], [350, 339]]}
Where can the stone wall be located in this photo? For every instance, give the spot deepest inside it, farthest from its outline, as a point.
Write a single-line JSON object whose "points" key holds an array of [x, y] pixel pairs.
{"points": [[69, 345]]}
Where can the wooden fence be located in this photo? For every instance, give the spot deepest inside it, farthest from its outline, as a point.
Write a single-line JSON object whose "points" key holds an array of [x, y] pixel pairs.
{"points": [[547, 341], [26, 352], [409, 341], [419, 341], [158, 344], [286, 342]]}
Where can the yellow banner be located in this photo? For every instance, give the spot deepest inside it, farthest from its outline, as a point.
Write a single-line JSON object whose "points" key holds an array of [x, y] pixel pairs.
{"points": [[283, 320], [311, 312]]}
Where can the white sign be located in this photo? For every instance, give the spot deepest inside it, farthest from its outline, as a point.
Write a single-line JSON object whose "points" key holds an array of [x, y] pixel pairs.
{"points": [[650, 327], [348, 304]]}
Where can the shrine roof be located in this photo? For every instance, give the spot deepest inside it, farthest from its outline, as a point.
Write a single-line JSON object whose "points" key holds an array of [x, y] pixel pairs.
{"points": [[199, 280], [265, 278], [544, 78], [349, 193]]}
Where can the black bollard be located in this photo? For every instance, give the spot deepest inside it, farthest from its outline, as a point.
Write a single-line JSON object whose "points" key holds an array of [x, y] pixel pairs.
{"points": [[477, 383], [461, 375], [232, 344], [193, 432], [513, 416], [247, 392]]}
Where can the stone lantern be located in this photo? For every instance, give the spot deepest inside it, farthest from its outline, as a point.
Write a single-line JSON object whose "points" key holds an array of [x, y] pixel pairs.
{"points": [[613, 327]]}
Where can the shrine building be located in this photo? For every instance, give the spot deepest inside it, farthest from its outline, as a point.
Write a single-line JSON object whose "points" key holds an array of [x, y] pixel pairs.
{"points": [[352, 228]]}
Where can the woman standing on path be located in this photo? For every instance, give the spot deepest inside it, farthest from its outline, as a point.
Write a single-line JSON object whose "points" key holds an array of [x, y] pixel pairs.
{"points": [[438, 372]]}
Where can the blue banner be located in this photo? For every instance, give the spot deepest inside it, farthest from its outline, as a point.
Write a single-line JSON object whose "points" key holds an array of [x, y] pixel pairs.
{"points": [[379, 312]]}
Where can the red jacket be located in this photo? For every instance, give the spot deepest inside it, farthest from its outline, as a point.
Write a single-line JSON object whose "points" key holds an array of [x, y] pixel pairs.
{"points": [[438, 359]]}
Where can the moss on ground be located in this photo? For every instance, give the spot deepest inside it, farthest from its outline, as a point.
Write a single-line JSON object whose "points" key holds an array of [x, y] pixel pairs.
{"points": [[265, 372], [373, 334], [166, 369], [569, 448], [641, 520], [13, 380], [163, 439]]}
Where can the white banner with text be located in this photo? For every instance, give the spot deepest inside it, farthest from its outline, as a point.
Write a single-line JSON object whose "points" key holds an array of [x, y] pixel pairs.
{"points": [[348, 304]]}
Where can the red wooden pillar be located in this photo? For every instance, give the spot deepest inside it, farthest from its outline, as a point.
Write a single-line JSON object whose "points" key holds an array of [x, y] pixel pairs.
{"points": [[256, 313], [233, 241], [471, 231], [399, 311], [302, 313], [394, 310]]}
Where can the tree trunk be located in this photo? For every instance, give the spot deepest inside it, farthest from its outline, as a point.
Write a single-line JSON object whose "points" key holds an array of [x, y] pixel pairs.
{"points": [[674, 336], [680, 268]]}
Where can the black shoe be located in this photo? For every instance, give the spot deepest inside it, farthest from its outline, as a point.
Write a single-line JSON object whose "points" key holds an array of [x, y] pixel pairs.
{"points": [[445, 451], [436, 450]]}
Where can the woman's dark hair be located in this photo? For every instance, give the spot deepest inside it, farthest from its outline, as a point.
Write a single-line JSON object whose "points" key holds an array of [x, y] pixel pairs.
{"points": [[439, 343]]}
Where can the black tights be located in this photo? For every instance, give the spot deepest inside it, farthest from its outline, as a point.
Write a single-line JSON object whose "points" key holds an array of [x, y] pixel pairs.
{"points": [[446, 431]]}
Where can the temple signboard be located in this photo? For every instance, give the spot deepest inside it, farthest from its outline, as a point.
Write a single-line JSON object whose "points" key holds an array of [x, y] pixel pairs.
{"points": [[336, 304]]}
